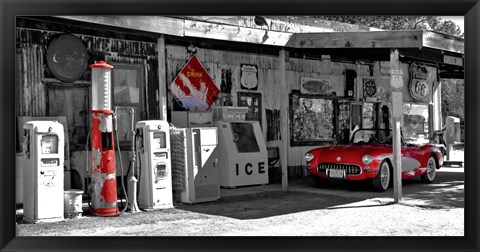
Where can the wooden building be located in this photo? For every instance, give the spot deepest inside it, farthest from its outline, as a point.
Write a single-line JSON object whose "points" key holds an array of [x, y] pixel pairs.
{"points": [[315, 83]]}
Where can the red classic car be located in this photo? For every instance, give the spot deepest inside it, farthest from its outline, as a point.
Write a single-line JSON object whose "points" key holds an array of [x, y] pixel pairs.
{"points": [[369, 156]]}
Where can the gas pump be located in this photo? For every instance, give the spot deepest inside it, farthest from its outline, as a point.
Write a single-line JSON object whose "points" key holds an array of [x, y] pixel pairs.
{"points": [[43, 151], [153, 151], [195, 163], [103, 186]]}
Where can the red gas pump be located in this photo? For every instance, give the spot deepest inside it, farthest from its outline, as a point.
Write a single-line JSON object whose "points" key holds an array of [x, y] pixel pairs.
{"points": [[103, 187]]}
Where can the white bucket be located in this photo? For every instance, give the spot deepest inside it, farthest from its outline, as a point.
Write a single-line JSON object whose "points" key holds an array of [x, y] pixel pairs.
{"points": [[73, 203]]}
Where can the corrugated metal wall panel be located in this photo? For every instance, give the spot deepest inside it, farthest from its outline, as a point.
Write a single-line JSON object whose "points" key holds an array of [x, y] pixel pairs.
{"points": [[31, 93]]}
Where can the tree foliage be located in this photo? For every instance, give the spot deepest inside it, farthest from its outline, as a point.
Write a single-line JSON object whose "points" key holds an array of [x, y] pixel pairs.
{"points": [[430, 23], [453, 98]]}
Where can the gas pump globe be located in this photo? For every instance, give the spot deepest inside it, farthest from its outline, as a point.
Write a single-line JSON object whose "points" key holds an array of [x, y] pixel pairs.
{"points": [[103, 187]]}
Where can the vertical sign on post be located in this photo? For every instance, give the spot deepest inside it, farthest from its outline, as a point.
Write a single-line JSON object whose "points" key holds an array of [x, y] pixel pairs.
{"points": [[162, 82], [396, 81], [449, 135], [283, 119]]}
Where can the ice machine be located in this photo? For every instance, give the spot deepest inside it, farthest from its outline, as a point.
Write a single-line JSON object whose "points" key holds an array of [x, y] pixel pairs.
{"points": [[243, 158]]}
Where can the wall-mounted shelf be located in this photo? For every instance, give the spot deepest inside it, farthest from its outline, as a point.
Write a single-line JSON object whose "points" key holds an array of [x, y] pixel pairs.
{"points": [[56, 82]]}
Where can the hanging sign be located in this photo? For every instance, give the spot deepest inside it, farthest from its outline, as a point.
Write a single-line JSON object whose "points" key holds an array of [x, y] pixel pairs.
{"points": [[369, 87], [193, 88], [397, 104], [249, 76], [315, 86], [419, 89], [396, 79], [453, 60], [67, 58]]}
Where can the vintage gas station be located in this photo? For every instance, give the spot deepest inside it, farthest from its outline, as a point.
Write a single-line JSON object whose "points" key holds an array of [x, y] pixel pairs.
{"points": [[132, 113]]}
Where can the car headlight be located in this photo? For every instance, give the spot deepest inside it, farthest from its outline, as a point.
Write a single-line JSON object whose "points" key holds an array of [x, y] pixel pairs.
{"points": [[367, 159], [308, 156]]}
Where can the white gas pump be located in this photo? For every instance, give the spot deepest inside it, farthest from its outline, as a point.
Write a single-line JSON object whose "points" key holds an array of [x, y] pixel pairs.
{"points": [[43, 150], [195, 161], [155, 173]]}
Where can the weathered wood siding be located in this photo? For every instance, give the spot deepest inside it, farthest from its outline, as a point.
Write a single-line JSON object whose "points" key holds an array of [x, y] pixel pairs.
{"points": [[217, 62], [31, 91], [333, 71], [39, 93], [223, 67]]}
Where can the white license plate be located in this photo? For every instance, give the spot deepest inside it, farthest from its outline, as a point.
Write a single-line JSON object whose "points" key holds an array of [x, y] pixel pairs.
{"points": [[336, 174]]}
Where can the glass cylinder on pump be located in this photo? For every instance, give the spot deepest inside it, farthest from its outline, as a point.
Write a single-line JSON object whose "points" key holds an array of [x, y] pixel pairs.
{"points": [[103, 187], [101, 86]]}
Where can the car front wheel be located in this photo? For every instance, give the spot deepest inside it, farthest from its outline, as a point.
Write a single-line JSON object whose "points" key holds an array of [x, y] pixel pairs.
{"points": [[429, 175], [382, 180]]}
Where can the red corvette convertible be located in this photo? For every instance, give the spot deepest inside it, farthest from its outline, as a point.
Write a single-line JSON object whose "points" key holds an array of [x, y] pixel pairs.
{"points": [[369, 156]]}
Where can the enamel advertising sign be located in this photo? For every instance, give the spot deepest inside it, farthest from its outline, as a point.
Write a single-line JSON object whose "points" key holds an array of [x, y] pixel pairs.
{"points": [[419, 88], [249, 76], [193, 88]]}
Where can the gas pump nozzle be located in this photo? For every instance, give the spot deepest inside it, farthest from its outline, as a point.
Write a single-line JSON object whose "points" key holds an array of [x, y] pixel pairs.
{"points": [[132, 181]]}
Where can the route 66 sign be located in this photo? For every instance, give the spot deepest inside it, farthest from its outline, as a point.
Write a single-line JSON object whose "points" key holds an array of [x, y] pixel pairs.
{"points": [[419, 88], [249, 76]]}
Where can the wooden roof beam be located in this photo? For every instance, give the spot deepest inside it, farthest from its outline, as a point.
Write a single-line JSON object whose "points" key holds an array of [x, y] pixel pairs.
{"points": [[155, 24], [189, 28], [378, 39], [373, 39], [202, 29], [443, 42]]}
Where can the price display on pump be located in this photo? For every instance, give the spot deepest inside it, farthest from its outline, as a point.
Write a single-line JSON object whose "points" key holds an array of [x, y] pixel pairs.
{"points": [[49, 144]]}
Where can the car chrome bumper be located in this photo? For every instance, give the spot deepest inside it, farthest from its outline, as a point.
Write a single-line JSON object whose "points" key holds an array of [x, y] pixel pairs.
{"points": [[350, 169]]}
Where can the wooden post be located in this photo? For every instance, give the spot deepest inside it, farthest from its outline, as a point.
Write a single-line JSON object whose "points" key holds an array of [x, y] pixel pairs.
{"points": [[162, 85], [449, 135], [396, 81], [397, 164], [283, 119], [437, 108]]}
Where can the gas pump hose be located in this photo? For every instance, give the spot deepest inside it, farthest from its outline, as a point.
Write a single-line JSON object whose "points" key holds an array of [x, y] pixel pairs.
{"points": [[121, 167]]}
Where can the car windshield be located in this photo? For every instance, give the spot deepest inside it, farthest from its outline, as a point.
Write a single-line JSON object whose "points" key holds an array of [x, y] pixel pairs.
{"points": [[379, 136]]}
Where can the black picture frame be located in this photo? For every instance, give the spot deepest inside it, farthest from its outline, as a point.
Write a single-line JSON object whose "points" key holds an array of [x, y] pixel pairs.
{"points": [[256, 103], [10, 9], [296, 121]]}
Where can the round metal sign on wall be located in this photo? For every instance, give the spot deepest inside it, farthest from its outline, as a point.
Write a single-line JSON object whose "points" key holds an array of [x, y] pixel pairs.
{"points": [[67, 58]]}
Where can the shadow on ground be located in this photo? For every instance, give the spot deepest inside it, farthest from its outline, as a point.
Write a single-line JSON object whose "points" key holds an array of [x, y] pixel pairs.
{"points": [[266, 204], [305, 197], [448, 194]]}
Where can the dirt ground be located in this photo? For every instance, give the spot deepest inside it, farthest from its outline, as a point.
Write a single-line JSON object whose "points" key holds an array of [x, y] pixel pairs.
{"points": [[269, 214]]}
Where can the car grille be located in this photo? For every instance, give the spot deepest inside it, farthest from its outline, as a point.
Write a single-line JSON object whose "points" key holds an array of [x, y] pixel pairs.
{"points": [[349, 169]]}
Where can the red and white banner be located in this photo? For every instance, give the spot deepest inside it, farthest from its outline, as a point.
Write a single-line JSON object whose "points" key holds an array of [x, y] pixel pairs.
{"points": [[193, 88]]}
